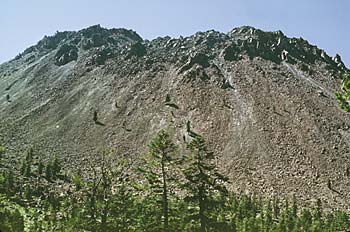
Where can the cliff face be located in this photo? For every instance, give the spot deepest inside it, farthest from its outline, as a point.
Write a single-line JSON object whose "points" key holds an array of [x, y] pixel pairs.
{"points": [[263, 101]]}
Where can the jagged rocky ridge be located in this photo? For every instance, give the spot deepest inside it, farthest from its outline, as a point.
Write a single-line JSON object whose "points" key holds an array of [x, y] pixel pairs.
{"points": [[264, 102]]}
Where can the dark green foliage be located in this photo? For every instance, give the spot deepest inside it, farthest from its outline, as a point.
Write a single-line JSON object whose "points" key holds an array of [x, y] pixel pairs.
{"points": [[123, 201], [94, 118], [137, 49], [40, 167], [102, 55], [230, 53], [204, 185], [11, 219], [110, 196], [48, 172], [169, 103], [167, 98], [188, 126], [304, 67], [53, 169], [65, 54], [77, 181], [27, 192], [162, 151], [56, 166], [7, 182], [2, 151], [105, 201], [173, 105], [26, 168]]}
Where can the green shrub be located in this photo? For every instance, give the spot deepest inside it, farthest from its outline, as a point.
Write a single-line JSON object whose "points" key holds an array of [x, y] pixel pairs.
{"points": [[343, 96]]}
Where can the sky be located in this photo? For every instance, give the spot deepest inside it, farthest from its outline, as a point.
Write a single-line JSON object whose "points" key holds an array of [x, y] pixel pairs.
{"points": [[323, 23]]}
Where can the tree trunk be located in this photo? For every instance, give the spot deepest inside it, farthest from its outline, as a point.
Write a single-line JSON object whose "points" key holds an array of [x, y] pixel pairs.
{"points": [[104, 216], [201, 210], [165, 199]]}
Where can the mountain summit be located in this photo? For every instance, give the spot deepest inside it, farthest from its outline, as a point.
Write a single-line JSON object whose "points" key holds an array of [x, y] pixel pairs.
{"points": [[265, 103]]}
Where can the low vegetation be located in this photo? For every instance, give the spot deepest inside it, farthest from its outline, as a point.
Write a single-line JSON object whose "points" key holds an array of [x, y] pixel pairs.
{"points": [[343, 96], [166, 191]]}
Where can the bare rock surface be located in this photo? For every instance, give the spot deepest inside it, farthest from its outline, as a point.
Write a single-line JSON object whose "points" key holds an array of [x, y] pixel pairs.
{"points": [[263, 101]]}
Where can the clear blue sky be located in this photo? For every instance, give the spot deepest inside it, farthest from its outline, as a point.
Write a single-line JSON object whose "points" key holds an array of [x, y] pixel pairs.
{"points": [[324, 23]]}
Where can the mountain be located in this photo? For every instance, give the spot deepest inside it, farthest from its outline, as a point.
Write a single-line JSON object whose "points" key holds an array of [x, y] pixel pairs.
{"points": [[263, 101]]}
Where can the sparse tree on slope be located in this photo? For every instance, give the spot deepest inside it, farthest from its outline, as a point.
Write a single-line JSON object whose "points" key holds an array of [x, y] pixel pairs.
{"points": [[204, 184]]}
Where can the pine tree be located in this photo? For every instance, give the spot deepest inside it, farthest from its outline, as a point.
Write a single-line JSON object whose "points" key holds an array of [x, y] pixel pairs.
{"points": [[40, 167], [123, 206], [318, 212], [106, 187], [56, 166], [294, 207], [9, 181], [27, 163], [107, 194], [53, 168], [268, 216], [48, 172], [305, 219], [276, 207], [162, 151], [203, 181]]}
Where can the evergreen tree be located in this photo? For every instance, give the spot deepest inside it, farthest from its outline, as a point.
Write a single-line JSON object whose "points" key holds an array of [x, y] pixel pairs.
{"points": [[53, 168], [268, 218], [48, 172], [105, 199], [276, 207], [203, 182], [11, 219], [162, 151], [27, 163], [305, 219], [40, 167], [9, 182], [318, 215], [56, 166], [122, 206]]}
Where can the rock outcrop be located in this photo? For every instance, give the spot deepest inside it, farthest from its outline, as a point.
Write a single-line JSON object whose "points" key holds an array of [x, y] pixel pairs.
{"points": [[262, 100], [65, 54]]}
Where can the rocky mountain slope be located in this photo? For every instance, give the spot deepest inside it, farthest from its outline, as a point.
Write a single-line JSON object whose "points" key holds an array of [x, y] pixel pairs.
{"points": [[265, 103]]}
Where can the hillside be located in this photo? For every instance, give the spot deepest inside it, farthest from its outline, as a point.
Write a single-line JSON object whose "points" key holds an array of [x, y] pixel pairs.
{"points": [[263, 101]]}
